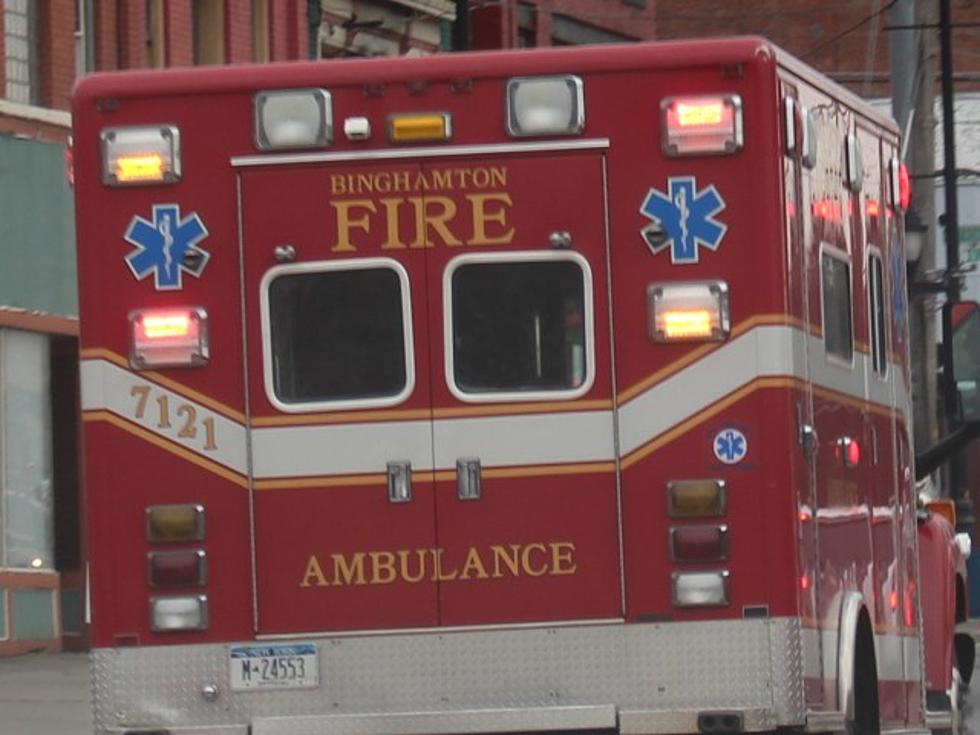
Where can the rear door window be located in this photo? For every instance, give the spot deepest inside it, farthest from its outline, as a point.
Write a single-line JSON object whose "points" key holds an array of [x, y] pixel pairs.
{"points": [[519, 328], [337, 334]]}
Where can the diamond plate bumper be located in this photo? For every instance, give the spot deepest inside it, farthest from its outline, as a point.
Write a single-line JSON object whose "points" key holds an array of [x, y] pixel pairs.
{"points": [[637, 678]]}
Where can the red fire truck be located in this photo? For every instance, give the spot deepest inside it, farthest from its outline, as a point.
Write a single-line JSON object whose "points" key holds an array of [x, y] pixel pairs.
{"points": [[549, 390]]}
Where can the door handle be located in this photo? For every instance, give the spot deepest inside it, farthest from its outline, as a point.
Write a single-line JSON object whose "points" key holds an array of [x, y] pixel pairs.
{"points": [[399, 482], [808, 439], [468, 478]]}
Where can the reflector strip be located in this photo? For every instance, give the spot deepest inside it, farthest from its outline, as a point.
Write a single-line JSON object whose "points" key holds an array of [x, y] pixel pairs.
{"points": [[680, 397]]}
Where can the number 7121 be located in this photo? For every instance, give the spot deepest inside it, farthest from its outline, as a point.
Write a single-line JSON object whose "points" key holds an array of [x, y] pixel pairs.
{"points": [[184, 415]]}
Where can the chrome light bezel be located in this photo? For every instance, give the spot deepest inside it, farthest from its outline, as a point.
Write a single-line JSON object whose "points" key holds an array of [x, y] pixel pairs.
{"points": [[576, 99]]}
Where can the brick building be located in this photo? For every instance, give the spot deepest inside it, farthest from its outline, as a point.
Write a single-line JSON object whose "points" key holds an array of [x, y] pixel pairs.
{"points": [[46, 45], [846, 39], [525, 23]]}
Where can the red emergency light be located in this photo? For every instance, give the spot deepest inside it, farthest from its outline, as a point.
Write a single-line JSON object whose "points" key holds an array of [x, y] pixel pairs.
{"points": [[701, 125], [169, 337]]}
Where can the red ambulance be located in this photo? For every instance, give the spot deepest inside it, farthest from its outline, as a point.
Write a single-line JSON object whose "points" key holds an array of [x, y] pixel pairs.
{"points": [[552, 390]]}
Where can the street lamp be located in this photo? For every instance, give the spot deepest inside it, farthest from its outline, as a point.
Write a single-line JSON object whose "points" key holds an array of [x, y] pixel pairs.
{"points": [[916, 234]]}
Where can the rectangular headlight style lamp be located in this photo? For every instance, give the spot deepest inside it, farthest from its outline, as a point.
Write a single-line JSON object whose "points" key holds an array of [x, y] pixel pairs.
{"points": [[701, 125], [188, 612], [688, 310], [699, 589], [699, 544], [169, 338], [184, 568], [545, 106], [293, 118], [174, 523], [135, 156], [696, 498]]}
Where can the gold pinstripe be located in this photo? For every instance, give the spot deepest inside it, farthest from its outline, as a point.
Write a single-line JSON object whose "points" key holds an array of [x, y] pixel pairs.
{"points": [[165, 444]]}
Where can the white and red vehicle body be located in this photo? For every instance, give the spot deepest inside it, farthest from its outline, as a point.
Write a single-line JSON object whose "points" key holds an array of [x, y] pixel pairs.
{"points": [[449, 482]]}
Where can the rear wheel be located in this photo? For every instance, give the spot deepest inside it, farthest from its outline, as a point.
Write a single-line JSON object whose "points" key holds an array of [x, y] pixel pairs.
{"points": [[866, 719]]}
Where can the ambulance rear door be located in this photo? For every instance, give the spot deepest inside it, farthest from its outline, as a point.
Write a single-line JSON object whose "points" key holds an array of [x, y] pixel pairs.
{"points": [[527, 509], [338, 403]]}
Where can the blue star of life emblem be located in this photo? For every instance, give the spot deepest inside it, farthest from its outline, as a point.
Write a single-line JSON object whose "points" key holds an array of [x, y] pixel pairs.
{"points": [[167, 246], [683, 219], [731, 446]]}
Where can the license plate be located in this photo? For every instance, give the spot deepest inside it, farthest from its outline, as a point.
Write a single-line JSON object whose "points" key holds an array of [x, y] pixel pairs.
{"points": [[287, 666]]}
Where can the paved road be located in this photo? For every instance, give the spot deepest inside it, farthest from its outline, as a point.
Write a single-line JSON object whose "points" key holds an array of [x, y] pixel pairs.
{"points": [[45, 694]]}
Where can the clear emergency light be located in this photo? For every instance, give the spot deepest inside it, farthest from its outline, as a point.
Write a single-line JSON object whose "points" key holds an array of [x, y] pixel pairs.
{"points": [[169, 338], [140, 155], [700, 589], [900, 189], [701, 125], [545, 106], [688, 310], [293, 118], [188, 612]]}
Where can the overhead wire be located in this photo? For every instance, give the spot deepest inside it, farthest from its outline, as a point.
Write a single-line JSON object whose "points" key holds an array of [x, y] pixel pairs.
{"points": [[861, 23]]}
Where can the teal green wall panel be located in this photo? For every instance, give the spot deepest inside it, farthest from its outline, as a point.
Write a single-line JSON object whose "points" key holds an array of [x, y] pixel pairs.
{"points": [[71, 611], [32, 614], [37, 228]]}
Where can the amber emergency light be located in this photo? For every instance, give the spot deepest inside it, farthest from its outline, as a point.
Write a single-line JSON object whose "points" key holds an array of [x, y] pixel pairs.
{"points": [[174, 523], [688, 310], [696, 498], [417, 127], [140, 155]]}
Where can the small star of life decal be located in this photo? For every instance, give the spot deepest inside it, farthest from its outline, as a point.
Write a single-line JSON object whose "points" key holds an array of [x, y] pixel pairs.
{"points": [[162, 246], [684, 219], [731, 446]]}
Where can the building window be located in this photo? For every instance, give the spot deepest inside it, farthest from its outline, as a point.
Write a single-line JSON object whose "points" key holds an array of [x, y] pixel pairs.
{"points": [[566, 31], [26, 474], [527, 26], [84, 38], [209, 32], [260, 30], [156, 50], [19, 39]]}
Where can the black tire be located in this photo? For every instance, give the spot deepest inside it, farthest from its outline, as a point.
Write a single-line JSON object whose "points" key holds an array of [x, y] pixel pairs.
{"points": [[866, 714]]}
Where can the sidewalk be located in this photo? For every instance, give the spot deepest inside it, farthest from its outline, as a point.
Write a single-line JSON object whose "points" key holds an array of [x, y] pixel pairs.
{"points": [[45, 694]]}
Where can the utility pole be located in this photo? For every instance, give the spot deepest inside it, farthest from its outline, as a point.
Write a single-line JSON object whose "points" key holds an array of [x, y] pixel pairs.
{"points": [[949, 170], [951, 281], [461, 28], [913, 68]]}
